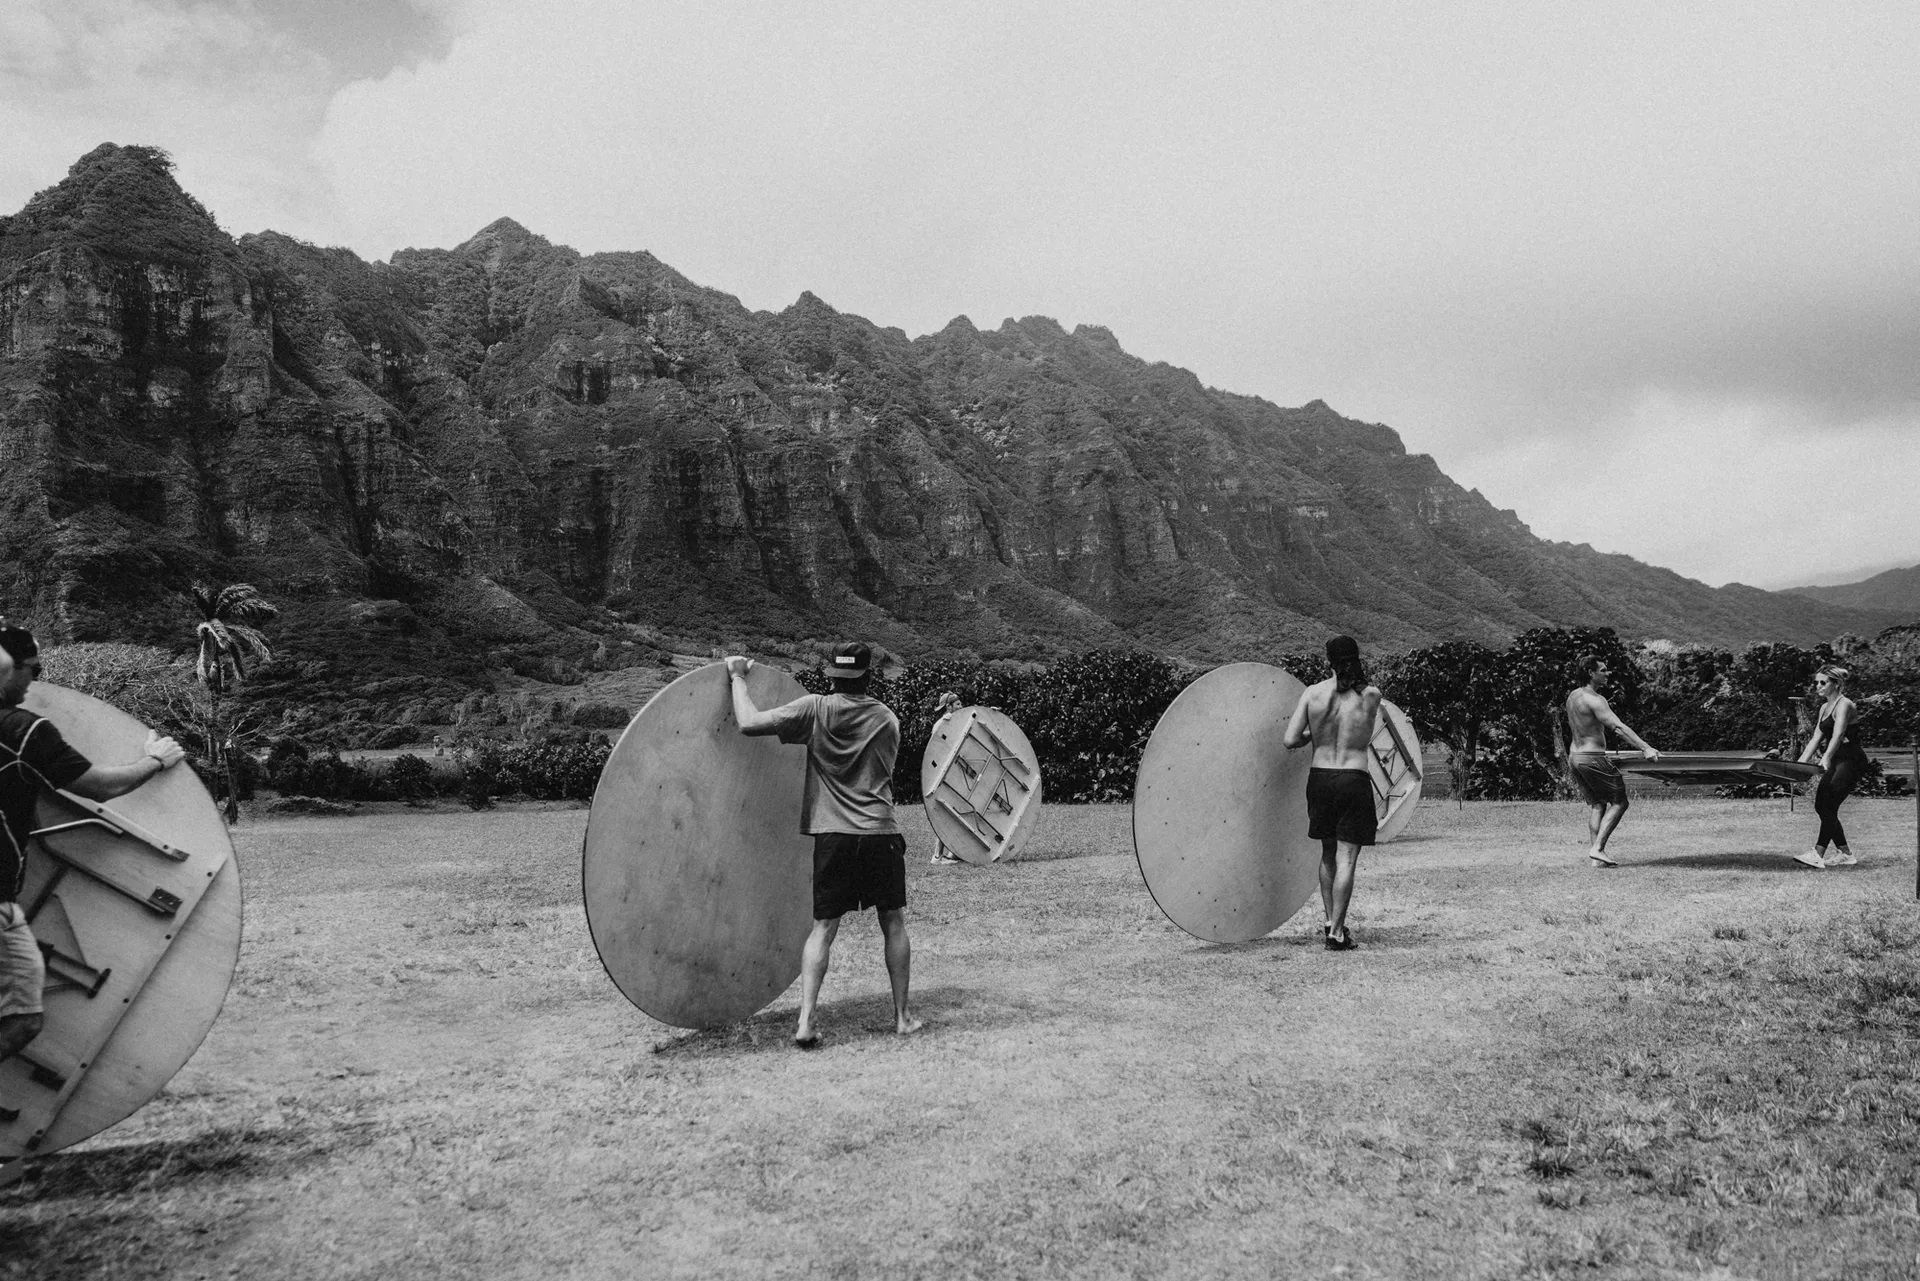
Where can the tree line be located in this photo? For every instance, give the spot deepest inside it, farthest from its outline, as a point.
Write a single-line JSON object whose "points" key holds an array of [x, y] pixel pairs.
{"points": [[1499, 713], [1495, 712]]}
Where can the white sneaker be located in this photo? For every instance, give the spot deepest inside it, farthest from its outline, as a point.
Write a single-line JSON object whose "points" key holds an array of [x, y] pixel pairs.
{"points": [[1841, 858], [1810, 858]]}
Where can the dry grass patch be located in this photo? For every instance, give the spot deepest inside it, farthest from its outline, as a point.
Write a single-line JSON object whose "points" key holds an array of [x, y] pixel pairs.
{"points": [[1698, 1064], [1772, 1074]]}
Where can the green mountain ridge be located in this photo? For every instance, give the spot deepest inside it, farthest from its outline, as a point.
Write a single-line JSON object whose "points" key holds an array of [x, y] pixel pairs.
{"points": [[464, 457], [1897, 590]]}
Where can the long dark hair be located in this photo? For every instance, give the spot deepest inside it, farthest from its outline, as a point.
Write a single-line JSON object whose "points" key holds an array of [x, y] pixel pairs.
{"points": [[1343, 655]]}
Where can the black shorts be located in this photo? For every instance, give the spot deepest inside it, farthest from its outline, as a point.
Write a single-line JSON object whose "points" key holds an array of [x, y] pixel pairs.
{"points": [[1598, 777], [1340, 806], [853, 871]]}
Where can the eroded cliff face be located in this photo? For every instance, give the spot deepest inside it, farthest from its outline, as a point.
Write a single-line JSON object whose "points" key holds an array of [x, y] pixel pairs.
{"points": [[509, 437], [122, 380]]}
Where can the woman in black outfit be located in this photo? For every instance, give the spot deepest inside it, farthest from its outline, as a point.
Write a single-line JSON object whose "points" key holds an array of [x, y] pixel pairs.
{"points": [[1841, 764]]}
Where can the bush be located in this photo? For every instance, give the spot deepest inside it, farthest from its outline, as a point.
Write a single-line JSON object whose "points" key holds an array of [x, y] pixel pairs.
{"points": [[407, 778], [479, 776], [293, 771], [550, 771], [148, 684]]}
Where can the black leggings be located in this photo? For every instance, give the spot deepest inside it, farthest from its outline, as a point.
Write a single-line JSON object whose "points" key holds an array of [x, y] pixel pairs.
{"points": [[1835, 786]]}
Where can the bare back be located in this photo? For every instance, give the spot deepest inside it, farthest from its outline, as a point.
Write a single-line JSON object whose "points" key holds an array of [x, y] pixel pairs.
{"points": [[1341, 724], [1587, 716]]}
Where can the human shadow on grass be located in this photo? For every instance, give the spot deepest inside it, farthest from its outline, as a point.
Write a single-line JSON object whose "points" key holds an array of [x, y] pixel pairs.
{"points": [[1386, 937], [221, 1153], [861, 1018], [1293, 939], [1264, 943], [1730, 860], [1061, 853]]}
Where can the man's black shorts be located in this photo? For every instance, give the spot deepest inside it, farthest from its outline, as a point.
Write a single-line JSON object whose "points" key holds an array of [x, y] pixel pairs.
{"points": [[852, 871], [1598, 777], [1340, 806]]}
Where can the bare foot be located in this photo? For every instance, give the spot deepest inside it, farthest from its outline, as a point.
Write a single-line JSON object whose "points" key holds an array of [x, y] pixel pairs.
{"points": [[1600, 859], [909, 1025], [806, 1039]]}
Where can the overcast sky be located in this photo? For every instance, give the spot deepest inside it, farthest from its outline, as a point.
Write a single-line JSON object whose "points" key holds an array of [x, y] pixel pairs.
{"points": [[1648, 274]]}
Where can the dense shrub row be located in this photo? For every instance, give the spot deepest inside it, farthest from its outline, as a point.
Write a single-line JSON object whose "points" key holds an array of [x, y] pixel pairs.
{"points": [[547, 771]]}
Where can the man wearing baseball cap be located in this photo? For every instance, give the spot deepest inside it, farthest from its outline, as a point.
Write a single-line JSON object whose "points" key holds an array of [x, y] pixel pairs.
{"points": [[35, 759], [859, 855]]}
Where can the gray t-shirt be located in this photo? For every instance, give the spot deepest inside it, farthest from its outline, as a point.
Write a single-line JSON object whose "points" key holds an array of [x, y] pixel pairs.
{"points": [[851, 742]]}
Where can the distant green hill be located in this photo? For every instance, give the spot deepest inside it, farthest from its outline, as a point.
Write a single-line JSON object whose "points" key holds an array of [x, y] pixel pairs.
{"points": [[510, 454], [1896, 591]]}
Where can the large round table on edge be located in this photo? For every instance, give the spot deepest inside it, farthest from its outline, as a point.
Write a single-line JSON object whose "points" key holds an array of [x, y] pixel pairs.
{"points": [[696, 879], [1220, 807], [1394, 765], [136, 906], [980, 784]]}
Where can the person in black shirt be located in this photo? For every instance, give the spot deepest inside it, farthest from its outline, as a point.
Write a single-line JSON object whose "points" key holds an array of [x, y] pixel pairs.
{"points": [[1842, 764], [33, 757]]}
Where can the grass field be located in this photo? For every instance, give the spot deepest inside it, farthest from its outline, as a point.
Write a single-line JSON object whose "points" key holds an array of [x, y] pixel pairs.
{"points": [[1701, 1063]]}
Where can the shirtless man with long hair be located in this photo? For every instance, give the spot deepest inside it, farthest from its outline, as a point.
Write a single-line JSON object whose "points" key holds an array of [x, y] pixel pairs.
{"points": [[1338, 717]]}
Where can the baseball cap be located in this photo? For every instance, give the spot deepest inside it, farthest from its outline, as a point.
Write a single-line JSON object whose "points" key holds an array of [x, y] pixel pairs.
{"points": [[18, 642], [850, 660]]}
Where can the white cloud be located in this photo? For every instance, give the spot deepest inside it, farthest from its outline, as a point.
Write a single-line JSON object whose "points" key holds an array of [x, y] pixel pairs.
{"points": [[1720, 491], [235, 103]]}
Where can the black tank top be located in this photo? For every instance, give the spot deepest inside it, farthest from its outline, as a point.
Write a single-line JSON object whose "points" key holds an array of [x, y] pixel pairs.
{"points": [[1848, 749]]}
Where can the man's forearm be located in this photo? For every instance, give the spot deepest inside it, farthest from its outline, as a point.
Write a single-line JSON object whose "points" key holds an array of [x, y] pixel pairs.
{"points": [[750, 718], [104, 782], [743, 708]]}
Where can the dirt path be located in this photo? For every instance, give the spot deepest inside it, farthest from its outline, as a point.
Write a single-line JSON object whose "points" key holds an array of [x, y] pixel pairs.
{"points": [[423, 1072]]}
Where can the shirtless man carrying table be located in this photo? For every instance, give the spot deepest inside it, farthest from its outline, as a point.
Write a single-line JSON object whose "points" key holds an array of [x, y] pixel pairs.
{"points": [[1339, 717], [1589, 717]]}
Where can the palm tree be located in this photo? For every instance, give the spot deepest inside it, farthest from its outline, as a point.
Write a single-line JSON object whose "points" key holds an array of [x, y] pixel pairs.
{"points": [[230, 640]]}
